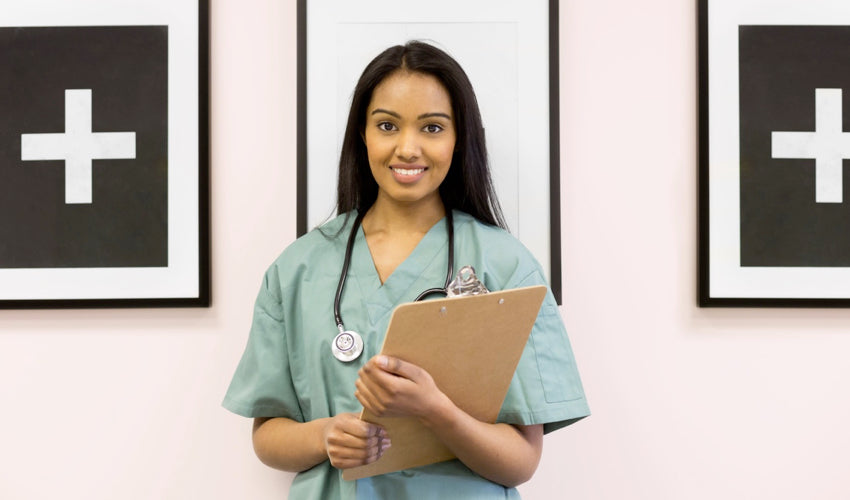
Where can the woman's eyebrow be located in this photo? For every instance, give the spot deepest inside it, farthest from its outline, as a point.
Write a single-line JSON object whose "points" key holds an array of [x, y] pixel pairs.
{"points": [[391, 113], [433, 115], [420, 117]]}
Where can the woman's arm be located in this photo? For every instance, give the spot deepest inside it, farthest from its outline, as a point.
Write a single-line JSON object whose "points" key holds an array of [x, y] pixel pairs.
{"points": [[503, 453], [293, 446]]}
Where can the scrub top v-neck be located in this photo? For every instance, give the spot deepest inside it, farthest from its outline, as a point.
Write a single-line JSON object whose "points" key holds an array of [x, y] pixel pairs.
{"points": [[414, 274]]}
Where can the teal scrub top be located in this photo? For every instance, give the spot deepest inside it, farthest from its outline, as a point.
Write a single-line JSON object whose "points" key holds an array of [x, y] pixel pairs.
{"points": [[288, 369]]}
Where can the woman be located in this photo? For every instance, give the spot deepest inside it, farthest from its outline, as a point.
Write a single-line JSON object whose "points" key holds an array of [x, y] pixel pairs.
{"points": [[413, 166]]}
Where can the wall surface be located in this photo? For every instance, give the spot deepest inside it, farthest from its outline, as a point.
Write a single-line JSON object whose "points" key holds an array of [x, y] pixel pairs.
{"points": [[687, 403]]}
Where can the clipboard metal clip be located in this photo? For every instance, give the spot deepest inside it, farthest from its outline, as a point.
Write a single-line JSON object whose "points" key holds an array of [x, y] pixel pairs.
{"points": [[466, 283]]}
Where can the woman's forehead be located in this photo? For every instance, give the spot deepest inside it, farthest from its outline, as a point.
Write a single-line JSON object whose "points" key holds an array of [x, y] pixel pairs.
{"points": [[410, 89]]}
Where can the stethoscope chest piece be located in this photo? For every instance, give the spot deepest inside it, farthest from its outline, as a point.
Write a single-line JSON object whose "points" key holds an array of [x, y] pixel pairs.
{"points": [[347, 346]]}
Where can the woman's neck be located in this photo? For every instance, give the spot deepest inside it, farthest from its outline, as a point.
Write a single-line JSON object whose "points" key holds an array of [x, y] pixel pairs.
{"points": [[391, 217], [393, 230]]}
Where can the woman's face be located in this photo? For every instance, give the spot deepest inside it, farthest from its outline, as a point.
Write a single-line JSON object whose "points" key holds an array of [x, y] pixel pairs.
{"points": [[410, 136]]}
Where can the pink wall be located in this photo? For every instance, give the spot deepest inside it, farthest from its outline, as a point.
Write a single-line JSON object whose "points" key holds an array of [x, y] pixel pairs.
{"points": [[688, 403]]}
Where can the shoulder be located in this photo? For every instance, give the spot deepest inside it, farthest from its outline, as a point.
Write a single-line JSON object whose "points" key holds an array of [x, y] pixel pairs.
{"points": [[469, 227], [312, 253], [499, 242], [321, 238], [495, 253]]}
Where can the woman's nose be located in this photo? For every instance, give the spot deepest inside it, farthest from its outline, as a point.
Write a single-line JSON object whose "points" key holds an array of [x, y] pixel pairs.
{"points": [[408, 146]]}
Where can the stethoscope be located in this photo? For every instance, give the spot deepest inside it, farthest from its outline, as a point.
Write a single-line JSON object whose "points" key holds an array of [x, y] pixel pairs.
{"points": [[348, 344]]}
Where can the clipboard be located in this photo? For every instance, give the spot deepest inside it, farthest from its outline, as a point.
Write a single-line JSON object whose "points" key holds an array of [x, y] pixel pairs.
{"points": [[471, 347]]}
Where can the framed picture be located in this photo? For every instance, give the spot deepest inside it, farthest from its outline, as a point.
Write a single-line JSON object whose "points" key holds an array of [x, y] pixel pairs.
{"points": [[104, 181], [509, 50], [773, 207]]}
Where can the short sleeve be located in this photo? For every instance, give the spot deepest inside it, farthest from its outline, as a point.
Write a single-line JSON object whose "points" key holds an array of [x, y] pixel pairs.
{"points": [[262, 385], [546, 388]]}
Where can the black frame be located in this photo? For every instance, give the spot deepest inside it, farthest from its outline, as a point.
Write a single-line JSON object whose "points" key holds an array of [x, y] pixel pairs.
{"points": [[703, 295], [554, 142], [203, 299]]}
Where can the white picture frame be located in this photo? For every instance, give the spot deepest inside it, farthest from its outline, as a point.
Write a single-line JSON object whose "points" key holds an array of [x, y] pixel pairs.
{"points": [[727, 275], [182, 279], [508, 50]]}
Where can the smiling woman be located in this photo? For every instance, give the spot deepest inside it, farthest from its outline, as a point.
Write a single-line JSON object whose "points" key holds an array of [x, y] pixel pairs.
{"points": [[414, 186]]}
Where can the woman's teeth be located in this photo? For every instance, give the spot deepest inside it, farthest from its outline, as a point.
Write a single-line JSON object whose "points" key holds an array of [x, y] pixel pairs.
{"points": [[410, 171]]}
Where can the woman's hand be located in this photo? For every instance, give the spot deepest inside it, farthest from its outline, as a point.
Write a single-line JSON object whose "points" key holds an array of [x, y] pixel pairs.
{"points": [[390, 387], [503, 453], [351, 442]]}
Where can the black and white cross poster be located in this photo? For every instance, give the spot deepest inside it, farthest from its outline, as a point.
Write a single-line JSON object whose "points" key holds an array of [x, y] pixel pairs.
{"points": [[794, 81], [84, 163], [776, 123], [99, 152]]}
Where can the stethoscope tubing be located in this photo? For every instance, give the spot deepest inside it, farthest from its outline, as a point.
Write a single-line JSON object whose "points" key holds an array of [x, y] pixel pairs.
{"points": [[347, 260]]}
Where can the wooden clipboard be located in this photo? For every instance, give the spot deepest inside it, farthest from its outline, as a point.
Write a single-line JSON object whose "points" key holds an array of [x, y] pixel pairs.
{"points": [[471, 347]]}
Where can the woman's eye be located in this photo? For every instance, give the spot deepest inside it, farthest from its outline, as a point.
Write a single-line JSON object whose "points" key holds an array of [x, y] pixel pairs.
{"points": [[433, 128], [386, 126]]}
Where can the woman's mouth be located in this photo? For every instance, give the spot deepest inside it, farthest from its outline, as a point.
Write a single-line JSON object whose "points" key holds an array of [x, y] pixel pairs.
{"points": [[407, 175]]}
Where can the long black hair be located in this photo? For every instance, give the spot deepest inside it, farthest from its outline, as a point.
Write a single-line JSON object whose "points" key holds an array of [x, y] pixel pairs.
{"points": [[468, 185]]}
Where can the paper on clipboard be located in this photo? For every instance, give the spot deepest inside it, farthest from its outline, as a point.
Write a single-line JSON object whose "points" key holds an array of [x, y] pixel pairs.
{"points": [[471, 347]]}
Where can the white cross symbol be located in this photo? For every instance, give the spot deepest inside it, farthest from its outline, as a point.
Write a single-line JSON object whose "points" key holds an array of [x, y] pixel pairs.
{"points": [[78, 146], [828, 145]]}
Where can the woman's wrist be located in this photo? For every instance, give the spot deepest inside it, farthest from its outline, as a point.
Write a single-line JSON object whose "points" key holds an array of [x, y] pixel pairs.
{"points": [[322, 444], [439, 414]]}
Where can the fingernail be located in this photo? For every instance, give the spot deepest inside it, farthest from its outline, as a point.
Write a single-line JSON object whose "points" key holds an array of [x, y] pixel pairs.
{"points": [[383, 361], [385, 445]]}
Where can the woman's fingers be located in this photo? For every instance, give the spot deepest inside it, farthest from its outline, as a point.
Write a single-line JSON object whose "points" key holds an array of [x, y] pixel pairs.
{"points": [[390, 387], [398, 367], [350, 441], [370, 395]]}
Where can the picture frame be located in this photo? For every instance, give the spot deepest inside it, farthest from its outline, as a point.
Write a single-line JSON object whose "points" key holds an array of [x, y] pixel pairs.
{"points": [[771, 202], [104, 154], [510, 53]]}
